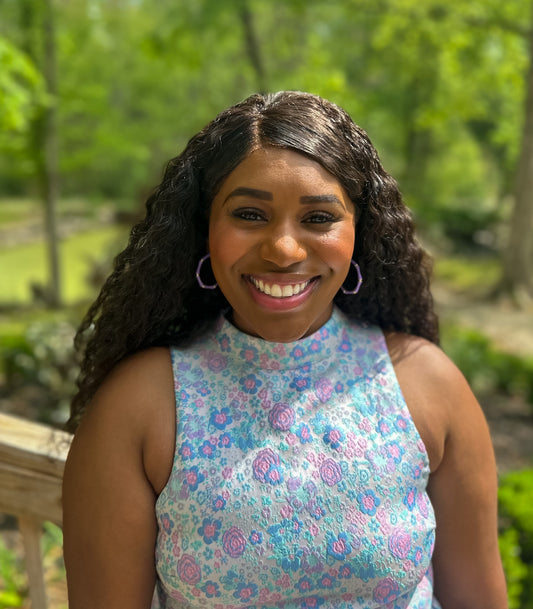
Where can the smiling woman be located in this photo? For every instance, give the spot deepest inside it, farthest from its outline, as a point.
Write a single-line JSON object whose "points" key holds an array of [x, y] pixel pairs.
{"points": [[281, 238], [263, 417]]}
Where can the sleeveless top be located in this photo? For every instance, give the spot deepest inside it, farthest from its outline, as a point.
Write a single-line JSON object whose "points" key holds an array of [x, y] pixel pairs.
{"points": [[299, 478]]}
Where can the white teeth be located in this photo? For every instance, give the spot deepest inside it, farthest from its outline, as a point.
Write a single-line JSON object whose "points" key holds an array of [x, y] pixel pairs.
{"points": [[279, 291], [287, 290]]}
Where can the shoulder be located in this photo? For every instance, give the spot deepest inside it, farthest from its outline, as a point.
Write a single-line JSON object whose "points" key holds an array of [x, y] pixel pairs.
{"points": [[118, 463], [132, 392], [463, 481], [436, 392], [416, 354], [135, 406]]}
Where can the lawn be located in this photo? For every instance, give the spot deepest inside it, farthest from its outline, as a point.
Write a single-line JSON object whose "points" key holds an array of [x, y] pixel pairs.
{"points": [[25, 264]]}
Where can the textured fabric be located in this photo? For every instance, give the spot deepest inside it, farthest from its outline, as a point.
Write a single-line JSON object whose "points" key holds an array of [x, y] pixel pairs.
{"points": [[299, 478]]}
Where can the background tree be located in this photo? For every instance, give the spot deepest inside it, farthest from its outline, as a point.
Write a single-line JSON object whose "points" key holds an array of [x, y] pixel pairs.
{"points": [[519, 252], [439, 86]]}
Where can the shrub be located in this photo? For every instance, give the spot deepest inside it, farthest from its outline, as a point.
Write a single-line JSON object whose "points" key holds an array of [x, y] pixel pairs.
{"points": [[485, 367], [12, 583], [515, 497], [39, 367]]}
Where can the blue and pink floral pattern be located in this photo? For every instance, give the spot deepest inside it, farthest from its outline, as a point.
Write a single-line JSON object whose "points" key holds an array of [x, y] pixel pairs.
{"points": [[299, 478]]}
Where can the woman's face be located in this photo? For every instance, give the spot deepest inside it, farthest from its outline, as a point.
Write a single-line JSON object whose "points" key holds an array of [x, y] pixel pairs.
{"points": [[281, 237]]}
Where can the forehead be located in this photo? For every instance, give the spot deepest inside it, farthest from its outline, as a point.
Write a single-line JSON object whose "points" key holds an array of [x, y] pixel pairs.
{"points": [[281, 168]]}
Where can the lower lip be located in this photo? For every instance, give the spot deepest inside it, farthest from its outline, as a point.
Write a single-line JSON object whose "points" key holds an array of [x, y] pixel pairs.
{"points": [[281, 304]]}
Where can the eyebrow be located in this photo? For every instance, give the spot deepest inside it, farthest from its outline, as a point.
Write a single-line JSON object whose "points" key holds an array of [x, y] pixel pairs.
{"points": [[310, 199], [264, 195], [242, 191]]}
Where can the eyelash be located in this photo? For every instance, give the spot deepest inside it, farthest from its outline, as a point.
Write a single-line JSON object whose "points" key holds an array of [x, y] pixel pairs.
{"points": [[320, 217], [252, 215]]}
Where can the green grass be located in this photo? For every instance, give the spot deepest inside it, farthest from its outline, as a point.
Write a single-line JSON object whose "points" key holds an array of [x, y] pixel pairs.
{"points": [[25, 264], [16, 211]]}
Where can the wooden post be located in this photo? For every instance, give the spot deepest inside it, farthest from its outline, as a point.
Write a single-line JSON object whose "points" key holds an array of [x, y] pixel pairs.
{"points": [[31, 531]]}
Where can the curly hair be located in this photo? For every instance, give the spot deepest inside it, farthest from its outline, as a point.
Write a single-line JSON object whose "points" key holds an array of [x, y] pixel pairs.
{"points": [[152, 297]]}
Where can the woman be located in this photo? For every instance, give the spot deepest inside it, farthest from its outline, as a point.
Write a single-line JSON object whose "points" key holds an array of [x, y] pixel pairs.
{"points": [[267, 420]]}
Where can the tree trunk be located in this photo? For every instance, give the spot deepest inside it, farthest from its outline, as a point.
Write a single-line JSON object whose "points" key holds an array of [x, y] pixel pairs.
{"points": [[253, 48], [37, 23], [49, 171], [518, 257], [419, 141]]}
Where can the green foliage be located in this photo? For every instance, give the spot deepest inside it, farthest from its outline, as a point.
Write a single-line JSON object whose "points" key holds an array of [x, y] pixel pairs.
{"points": [[42, 358], [486, 368], [439, 86], [465, 226], [467, 274], [516, 539], [11, 578], [515, 570], [20, 90]]}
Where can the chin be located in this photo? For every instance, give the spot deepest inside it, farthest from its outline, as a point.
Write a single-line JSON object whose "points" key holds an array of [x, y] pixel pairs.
{"points": [[282, 328], [285, 331]]}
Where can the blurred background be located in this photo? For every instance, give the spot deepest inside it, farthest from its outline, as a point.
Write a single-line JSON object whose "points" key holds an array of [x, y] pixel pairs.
{"points": [[97, 95]]}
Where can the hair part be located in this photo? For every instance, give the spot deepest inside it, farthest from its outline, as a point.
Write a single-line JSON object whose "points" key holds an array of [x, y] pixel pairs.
{"points": [[152, 297]]}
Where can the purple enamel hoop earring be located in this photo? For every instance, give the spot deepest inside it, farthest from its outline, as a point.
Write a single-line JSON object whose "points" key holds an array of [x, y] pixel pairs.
{"points": [[199, 279], [359, 280]]}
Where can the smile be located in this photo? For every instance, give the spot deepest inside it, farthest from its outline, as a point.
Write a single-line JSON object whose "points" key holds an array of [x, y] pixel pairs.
{"points": [[276, 290]]}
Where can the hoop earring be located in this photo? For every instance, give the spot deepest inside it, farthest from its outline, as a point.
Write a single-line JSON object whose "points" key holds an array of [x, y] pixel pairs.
{"points": [[359, 280], [199, 279]]}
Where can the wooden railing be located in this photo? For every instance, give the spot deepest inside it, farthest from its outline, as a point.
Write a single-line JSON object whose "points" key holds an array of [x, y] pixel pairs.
{"points": [[32, 460]]}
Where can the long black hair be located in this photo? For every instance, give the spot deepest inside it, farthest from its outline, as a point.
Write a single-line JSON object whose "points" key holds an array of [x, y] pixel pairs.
{"points": [[152, 297]]}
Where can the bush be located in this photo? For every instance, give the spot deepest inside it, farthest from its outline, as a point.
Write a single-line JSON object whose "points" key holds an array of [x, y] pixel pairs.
{"points": [[486, 368], [515, 497], [39, 368], [12, 584]]}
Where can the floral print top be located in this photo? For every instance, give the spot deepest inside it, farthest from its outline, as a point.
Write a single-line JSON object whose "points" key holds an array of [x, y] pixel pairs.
{"points": [[299, 478]]}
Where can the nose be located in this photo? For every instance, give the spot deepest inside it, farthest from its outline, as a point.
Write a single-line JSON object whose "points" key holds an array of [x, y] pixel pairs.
{"points": [[283, 248]]}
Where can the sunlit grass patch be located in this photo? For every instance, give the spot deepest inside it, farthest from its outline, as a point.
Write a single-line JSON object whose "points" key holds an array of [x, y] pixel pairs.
{"points": [[26, 264], [17, 210]]}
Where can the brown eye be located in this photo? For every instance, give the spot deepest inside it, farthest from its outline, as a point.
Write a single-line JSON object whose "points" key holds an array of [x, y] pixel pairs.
{"points": [[319, 218], [251, 215]]}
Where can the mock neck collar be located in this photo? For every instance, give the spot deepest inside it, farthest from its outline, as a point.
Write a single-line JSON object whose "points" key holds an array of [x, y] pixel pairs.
{"points": [[267, 355]]}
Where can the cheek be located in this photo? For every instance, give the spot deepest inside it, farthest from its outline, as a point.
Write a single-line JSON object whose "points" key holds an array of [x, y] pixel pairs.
{"points": [[226, 246], [338, 249]]}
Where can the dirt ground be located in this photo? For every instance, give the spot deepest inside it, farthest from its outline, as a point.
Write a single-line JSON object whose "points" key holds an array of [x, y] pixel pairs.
{"points": [[510, 419]]}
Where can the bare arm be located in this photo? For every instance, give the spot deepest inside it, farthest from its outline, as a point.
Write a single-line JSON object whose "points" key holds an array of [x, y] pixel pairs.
{"points": [[463, 482], [119, 461]]}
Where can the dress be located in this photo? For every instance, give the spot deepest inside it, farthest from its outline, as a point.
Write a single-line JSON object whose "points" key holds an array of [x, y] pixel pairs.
{"points": [[299, 478]]}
